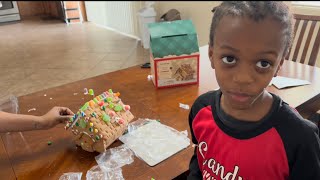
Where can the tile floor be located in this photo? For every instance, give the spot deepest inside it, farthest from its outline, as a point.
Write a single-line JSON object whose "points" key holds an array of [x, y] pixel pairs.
{"points": [[37, 54]]}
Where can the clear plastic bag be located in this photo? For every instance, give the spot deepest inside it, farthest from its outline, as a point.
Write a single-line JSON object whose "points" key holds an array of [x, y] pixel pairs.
{"points": [[154, 142], [115, 158], [95, 173], [71, 176], [9, 104]]}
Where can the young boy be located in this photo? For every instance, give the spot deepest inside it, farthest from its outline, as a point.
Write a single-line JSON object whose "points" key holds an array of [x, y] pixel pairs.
{"points": [[241, 130], [19, 122]]}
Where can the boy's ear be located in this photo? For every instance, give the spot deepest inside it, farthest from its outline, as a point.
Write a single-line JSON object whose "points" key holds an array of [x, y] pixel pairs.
{"points": [[210, 54], [279, 67]]}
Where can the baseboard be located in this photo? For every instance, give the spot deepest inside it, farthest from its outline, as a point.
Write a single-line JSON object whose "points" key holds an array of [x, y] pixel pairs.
{"points": [[114, 30]]}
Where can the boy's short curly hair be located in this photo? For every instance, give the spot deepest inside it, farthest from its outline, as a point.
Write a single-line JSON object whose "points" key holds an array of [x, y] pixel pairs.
{"points": [[257, 11]]}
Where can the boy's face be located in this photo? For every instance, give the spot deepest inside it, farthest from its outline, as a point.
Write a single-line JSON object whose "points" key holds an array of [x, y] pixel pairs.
{"points": [[246, 55]]}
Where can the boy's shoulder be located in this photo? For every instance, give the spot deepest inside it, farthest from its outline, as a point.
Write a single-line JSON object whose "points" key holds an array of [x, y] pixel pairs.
{"points": [[291, 123], [206, 98]]}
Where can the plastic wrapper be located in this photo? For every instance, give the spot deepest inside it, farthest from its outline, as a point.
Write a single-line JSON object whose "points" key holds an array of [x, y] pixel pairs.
{"points": [[71, 176], [115, 158], [9, 104], [95, 173], [154, 142]]}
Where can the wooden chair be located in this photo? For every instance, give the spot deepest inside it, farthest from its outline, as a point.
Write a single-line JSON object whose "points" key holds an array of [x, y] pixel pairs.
{"points": [[305, 46]]}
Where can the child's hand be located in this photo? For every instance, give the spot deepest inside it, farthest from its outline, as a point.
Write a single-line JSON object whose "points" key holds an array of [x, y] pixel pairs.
{"points": [[55, 116]]}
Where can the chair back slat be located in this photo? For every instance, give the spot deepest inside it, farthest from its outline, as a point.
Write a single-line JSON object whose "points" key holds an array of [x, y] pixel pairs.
{"points": [[306, 42]]}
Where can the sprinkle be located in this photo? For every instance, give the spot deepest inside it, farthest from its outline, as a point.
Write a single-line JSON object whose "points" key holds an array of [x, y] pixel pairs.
{"points": [[111, 105], [85, 91], [50, 98], [97, 137], [71, 119], [33, 109], [117, 94], [118, 108], [110, 91], [126, 107], [49, 143], [91, 92], [91, 124], [96, 130], [100, 103], [103, 108], [75, 94], [83, 114], [98, 98], [45, 95], [77, 124], [81, 143], [152, 179], [95, 100], [91, 103], [91, 129]]}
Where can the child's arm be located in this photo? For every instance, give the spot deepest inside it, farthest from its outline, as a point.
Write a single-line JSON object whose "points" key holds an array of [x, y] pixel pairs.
{"points": [[18, 122]]}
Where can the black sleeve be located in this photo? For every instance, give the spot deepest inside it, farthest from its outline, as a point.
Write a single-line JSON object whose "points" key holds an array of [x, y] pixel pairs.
{"points": [[307, 157], [194, 169]]}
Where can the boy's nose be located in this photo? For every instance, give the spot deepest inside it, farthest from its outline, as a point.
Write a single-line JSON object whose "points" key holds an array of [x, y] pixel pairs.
{"points": [[243, 77]]}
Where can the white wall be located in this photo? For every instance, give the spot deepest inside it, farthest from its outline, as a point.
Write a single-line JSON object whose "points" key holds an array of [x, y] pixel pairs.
{"points": [[117, 15]]}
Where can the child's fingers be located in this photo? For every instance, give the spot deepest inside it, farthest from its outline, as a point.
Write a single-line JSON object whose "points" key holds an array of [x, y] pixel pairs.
{"points": [[64, 118], [65, 111]]}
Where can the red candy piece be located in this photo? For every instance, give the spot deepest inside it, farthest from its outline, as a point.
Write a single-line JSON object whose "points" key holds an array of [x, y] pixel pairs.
{"points": [[111, 113], [101, 103], [126, 107], [121, 121]]}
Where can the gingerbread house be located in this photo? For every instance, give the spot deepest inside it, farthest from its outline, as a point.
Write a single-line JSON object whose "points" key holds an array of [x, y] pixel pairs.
{"points": [[99, 122], [185, 72]]}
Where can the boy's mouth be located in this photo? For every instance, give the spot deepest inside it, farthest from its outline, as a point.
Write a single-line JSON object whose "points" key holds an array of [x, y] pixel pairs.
{"points": [[239, 97]]}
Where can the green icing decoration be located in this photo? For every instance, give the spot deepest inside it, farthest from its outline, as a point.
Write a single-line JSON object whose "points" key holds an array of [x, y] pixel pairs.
{"points": [[105, 118], [85, 106], [118, 108], [109, 99], [83, 124]]}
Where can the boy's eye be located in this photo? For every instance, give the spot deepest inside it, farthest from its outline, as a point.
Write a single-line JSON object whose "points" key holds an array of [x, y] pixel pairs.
{"points": [[229, 60], [263, 64]]}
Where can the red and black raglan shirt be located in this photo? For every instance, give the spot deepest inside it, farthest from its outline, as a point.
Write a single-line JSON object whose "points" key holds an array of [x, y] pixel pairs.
{"points": [[282, 145]]}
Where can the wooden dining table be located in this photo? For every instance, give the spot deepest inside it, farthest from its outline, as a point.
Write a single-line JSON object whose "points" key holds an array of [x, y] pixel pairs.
{"points": [[27, 155]]}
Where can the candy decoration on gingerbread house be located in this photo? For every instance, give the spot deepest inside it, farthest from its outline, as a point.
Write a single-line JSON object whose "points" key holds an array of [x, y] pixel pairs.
{"points": [[99, 122]]}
